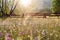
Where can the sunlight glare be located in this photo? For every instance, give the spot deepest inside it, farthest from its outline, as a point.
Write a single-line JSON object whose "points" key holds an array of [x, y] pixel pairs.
{"points": [[25, 3]]}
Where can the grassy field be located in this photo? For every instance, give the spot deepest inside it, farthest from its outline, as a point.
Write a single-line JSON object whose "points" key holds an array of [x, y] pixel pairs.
{"points": [[30, 28]]}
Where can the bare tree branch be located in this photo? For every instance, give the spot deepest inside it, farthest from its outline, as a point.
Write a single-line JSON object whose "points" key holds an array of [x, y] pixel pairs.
{"points": [[13, 7]]}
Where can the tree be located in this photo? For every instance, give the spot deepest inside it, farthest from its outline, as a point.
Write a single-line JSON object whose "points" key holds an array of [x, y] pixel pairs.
{"points": [[55, 6], [7, 7]]}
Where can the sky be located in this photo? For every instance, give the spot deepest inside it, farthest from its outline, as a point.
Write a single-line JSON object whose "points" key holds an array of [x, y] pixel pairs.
{"points": [[37, 5]]}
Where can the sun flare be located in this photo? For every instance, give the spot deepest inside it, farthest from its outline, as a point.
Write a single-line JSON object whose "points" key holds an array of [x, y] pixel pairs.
{"points": [[25, 3]]}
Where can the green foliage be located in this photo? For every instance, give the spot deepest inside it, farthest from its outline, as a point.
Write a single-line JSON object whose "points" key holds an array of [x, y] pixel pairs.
{"points": [[7, 7], [55, 6]]}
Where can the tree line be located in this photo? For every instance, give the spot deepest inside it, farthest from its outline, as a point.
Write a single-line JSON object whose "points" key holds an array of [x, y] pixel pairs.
{"points": [[7, 7]]}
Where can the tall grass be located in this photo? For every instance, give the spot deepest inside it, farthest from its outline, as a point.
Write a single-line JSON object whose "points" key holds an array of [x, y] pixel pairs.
{"points": [[35, 29]]}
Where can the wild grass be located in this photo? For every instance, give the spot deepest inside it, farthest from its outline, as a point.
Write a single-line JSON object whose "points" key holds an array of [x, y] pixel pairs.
{"points": [[30, 29]]}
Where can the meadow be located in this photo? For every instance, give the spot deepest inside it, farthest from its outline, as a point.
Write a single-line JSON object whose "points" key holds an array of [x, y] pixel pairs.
{"points": [[32, 28]]}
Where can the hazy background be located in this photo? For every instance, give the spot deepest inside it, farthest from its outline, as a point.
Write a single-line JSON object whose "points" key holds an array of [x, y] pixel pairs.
{"points": [[36, 6]]}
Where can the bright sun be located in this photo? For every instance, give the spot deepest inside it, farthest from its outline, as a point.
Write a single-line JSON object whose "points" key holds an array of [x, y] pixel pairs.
{"points": [[25, 3]]}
